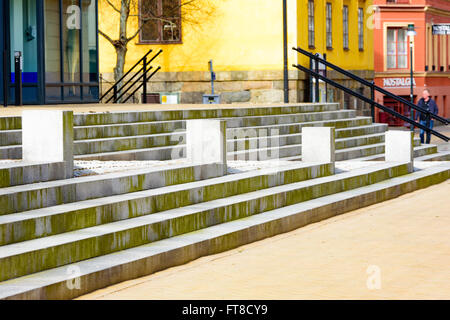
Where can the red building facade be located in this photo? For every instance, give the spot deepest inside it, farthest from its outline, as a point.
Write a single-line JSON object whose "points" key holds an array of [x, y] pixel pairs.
{"points": [[431, 52]]}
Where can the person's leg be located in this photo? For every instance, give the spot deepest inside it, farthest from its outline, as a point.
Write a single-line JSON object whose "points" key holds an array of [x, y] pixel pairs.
{"points": [[422, 132], [428, 133]]}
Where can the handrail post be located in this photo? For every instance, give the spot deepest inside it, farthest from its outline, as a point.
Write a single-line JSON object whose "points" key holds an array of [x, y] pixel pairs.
{"points": [[317, 79], [144, 98], [115, 93], [372, 105]]}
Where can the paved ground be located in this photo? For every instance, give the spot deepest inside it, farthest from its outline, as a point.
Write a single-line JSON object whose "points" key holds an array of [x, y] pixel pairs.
{"points": [[398, 249]]}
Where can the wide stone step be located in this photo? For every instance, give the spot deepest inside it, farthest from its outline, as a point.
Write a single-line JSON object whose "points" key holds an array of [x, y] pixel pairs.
{"points": [[21, 173], [11, 152], [10, 137], [62, 249], [178, 151], [99, 272], [10, 123], [102, 118], [68, 217], [419, 152], [439, 156], [92, 146], [291, 128], [163, 153], [127, 129], [46, 194], [159, 127]]}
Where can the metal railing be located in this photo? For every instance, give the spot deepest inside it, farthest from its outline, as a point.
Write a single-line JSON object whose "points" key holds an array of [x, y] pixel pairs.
{"points": [[313, 71], [117, 93]]}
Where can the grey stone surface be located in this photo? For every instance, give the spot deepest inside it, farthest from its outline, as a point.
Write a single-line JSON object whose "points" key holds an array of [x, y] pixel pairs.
{"points": [[122, 234], [318, 144], [102, 271], [206, 141], [46, 194], [399, 146], [47, 135]]}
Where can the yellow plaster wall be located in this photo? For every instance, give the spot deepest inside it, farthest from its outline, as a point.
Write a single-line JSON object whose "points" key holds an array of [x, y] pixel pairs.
{"points": [[243, 35]]}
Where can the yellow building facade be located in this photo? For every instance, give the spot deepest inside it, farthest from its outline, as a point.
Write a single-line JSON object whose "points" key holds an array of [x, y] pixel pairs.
{"points": [[244, 38]]}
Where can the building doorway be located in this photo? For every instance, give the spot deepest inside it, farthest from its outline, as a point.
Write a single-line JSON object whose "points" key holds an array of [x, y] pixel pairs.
{"points": [[58, 40], [385, 117]]}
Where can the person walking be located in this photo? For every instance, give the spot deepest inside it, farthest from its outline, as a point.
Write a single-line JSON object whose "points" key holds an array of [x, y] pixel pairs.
{"points": [[427, 103]]}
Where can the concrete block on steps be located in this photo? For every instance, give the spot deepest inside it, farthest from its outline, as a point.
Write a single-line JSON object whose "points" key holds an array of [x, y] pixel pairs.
{"points": [[318, 144], [399, 147], [47, 136], [206, 141]]}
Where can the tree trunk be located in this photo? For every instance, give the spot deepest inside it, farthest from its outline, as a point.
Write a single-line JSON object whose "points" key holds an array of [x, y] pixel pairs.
{"points": [[121, 53], [122, 43]]}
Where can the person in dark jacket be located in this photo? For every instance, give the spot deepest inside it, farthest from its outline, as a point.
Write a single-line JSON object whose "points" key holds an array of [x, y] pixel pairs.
{"points": [[427, 103]]}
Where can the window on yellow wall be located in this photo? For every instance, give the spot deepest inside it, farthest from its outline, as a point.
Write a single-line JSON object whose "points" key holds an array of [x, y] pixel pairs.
{"points": [[345, 25], [329, 26], [397, 52], [160, 21], [361, 29], [311, 23]]}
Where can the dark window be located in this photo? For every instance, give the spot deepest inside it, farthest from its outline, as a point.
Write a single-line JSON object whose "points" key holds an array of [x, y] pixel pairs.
{"points": [[311, 23], [345, 25], [361, 28], [160, 21], [329, 26]]}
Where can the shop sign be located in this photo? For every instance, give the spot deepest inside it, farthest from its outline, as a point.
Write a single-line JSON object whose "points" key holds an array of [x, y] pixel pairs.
{"points": [[442, 29], [398, 82]]}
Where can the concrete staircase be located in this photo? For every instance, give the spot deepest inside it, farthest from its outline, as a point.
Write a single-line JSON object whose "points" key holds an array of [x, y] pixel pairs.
{"points": [[151, 135], [60, 239]]}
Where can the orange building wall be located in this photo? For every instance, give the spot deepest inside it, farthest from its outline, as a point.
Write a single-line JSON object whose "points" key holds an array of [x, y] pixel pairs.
{"points": [[421, 14]]}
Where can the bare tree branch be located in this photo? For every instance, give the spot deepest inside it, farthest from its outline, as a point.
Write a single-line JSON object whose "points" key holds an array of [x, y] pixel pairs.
{"points": [[113, 6], [106, 36]]}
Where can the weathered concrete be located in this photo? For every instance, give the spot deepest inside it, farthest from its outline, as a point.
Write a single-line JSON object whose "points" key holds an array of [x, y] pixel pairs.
{"points": [[206, 141], [399, 147], [392, 250], [318, 145], [20, 173], [86, 276], [84, 214], [48, 194], [48, 136], [58, 250]]}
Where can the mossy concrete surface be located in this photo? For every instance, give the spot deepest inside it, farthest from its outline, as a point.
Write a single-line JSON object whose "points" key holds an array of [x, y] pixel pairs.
{"points": [[58, 250], [83, 214], [20, 173], [99, 272], [42, 195]]}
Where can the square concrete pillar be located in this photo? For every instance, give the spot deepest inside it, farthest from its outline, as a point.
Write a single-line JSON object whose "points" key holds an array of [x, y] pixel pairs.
{"points": [[318, 144], [399, 147], [206, 141], [47, 136]]}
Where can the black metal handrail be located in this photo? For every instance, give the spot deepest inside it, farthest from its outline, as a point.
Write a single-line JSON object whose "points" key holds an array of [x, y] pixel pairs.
{"points": [[370, 84], [368, 100], [143, 82], [119, 89]]}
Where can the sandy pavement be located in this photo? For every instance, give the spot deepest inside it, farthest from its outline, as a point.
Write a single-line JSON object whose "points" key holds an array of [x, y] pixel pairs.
{"points": [[398, 249]]}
